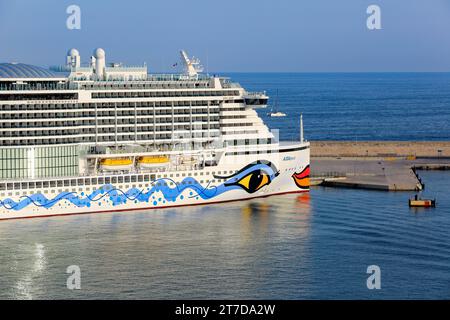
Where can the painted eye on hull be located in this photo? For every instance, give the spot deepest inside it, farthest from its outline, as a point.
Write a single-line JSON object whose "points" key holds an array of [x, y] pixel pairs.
{"points": [[252, 177], [254, 181]]}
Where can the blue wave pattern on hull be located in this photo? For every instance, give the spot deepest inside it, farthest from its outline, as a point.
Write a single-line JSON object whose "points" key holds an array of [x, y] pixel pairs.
{"points": [[118, 196]]}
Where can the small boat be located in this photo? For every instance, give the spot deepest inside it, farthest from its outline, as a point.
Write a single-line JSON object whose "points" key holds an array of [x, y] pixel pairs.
{"points": [[153, 161], [275, 113], [425, 203], [116, 164]]}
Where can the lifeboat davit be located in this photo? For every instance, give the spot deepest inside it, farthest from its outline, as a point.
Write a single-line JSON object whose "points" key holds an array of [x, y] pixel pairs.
{"points": [[116, 164], [153, 161]]}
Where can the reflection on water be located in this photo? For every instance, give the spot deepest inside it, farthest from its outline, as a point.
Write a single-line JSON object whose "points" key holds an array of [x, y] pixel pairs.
{"points": [[303, 200], [294, 246], [237, 248], [26, 285], [256, 214]]}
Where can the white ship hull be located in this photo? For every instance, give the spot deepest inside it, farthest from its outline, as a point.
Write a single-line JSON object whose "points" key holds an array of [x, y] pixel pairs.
{"points": [[251, 177], [83, 140]]}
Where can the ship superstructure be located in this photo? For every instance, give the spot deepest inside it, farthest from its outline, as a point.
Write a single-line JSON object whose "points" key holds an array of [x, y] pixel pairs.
{"points": [[106, 137]]}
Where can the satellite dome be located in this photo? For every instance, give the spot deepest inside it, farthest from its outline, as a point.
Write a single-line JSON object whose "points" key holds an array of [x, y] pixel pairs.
{"points": [[99, 53], [73, 52]]}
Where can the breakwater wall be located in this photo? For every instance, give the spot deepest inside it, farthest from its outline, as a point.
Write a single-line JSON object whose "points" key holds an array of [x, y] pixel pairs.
{"points": [[420, 149]]}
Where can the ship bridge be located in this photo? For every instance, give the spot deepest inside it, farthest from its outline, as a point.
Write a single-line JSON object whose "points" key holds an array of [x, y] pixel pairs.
{"points": [[256, 99]]}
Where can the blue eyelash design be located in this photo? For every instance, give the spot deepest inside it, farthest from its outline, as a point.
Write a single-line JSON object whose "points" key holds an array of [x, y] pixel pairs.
{"points": [[118, 196]]}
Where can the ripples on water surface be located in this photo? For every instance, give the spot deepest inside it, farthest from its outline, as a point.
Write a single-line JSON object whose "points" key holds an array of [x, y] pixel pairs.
{"points": [[310, 246], [282, 247], [357, 106]]}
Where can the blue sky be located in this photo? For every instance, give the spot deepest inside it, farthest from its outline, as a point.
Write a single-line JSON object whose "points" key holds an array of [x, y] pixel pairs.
{"points": [[234, 35]]}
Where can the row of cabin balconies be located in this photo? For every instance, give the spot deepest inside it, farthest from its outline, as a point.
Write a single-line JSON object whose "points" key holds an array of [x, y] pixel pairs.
{"points": [[106, 106], [112, 113], [103, 105], [237, 124], [106, 122], [65, 131], [38, 96], [239, 132], [147, 85], [159, 110], [37, 107], [162, 94], [92, 114], [108, 139]]}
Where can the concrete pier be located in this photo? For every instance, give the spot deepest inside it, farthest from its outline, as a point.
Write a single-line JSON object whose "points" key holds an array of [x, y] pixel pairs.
{"points": [[388, 166], [420, 149]]}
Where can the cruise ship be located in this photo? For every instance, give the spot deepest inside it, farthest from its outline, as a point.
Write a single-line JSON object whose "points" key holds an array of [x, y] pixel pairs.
{"points": [[104, 137]]}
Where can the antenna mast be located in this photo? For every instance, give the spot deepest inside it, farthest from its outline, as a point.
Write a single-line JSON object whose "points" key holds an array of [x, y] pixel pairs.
{"points": [[301, 128]]}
